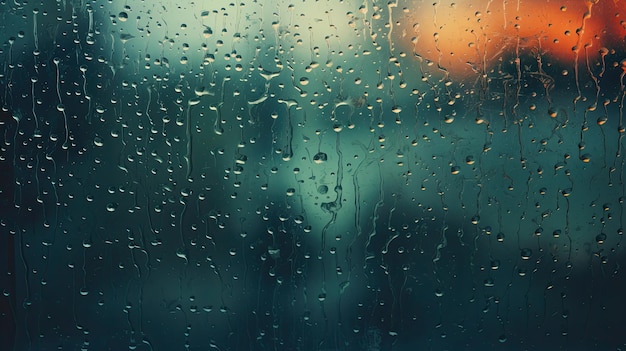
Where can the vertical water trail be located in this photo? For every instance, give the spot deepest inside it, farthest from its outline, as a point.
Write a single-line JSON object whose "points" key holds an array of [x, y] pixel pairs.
{"points": [[35, 34], [188, 155], [60, 106], [334, 206]]}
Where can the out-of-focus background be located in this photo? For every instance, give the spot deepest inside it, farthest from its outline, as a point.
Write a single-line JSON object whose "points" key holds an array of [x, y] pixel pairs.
{"points": [[312, 175]]}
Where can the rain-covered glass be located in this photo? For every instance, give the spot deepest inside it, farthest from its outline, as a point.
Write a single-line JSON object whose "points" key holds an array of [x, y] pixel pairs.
{"points": [[312, 175]]}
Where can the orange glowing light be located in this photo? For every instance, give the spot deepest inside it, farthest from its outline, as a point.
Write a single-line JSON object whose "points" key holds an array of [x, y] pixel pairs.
{"points": [[465, 38]]}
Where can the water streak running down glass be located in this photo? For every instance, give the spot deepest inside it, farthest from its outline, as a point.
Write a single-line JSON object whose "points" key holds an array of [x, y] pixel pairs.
{"points": [[312, 175]]}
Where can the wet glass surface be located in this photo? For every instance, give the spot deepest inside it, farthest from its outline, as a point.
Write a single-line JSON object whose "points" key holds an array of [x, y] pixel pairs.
{"points": [[312, 175]]}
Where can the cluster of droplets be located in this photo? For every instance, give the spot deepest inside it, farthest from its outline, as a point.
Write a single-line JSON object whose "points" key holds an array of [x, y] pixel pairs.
{"points": [[252, 156]]}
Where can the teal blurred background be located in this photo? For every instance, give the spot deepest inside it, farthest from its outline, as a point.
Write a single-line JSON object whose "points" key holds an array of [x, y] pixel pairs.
{"points": [[308, 176]]}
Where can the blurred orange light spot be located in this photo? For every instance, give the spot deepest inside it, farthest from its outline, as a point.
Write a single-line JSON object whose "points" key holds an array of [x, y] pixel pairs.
{"points": [[468, 37]]}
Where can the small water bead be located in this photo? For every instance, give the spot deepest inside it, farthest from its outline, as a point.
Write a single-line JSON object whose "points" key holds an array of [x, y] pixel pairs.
{"points": [[586, 158], [526, 253], [112, 206], [299, 219], [322, 189], [475, 219], [320, 158]]}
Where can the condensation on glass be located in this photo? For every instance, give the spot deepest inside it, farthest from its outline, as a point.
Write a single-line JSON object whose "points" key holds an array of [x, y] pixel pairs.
{"points": [[312, 175]]}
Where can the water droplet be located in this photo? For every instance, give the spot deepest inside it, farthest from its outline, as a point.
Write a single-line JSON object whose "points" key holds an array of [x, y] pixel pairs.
{"points": [[112, 206], [322, 189], [320, 157], [97, 141]]}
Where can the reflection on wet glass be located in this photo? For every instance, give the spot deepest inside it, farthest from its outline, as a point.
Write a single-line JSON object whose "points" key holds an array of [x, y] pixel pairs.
{"points": [[314, 175]]}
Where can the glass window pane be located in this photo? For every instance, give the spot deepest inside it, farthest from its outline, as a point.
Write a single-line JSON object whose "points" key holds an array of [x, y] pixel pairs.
{"points": [[312, 175]]}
